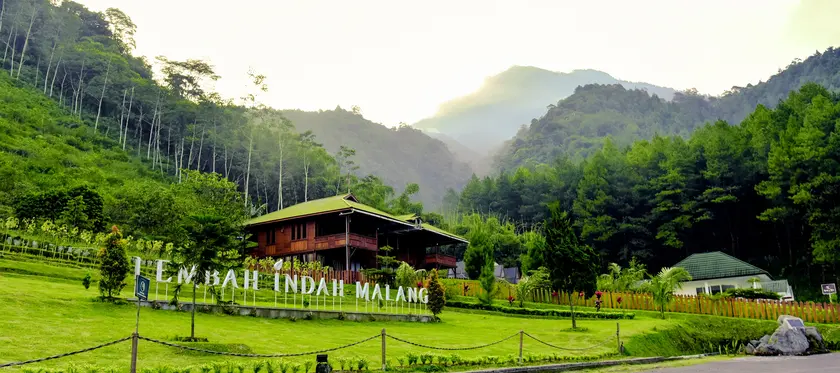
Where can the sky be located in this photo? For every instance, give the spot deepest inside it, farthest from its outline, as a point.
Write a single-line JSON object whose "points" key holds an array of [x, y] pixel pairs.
{"points": [[398, 60]]}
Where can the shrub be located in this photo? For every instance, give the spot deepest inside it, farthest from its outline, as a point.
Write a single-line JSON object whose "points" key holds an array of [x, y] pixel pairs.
{"points": [[752, 294], [437, 299], [113, 265], [86, 281], [542, 312]]}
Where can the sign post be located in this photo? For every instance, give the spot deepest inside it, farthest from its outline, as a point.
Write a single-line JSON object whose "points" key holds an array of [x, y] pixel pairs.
{"points": [[829, 289], [141, 291]]}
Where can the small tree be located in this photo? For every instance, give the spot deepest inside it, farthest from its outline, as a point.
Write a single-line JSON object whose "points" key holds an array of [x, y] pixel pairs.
{"points": [[662, 285], [113, 264], [572, 266], [487, 280], [437, 296], [211, 244], [479, 251], [74, 213]]}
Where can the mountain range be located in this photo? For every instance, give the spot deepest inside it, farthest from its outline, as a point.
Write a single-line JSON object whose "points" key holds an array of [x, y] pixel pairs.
{"points": [[484, 119], [577, 125]]}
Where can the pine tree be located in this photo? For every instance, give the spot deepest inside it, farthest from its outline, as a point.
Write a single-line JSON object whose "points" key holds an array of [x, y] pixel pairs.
{"points": [[487, 280], [437, 296], [572, 266], [113, 264]]}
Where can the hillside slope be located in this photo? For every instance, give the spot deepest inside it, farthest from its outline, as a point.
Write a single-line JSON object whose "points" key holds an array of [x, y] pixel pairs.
{"points": [[44, 148], [578, 125], [484, 119], [399, 156]]}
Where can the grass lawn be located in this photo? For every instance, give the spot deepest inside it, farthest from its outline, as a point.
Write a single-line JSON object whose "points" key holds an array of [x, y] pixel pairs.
{"points": [[46, 310], [52, 314]]}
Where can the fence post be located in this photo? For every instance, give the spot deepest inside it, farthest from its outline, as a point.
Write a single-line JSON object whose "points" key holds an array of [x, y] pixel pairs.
{"points": [[521, 335], [134, 352], [618, 337], [383, 349]]}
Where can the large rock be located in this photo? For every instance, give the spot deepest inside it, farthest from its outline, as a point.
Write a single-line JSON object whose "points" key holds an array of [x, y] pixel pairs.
{"points": [[789, 340]]}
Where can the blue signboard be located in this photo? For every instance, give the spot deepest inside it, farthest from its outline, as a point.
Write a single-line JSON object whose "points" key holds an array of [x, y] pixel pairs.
{"points": [[141, 289]]}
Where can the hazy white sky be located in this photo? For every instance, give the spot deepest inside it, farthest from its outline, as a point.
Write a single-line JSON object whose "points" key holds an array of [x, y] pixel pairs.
{"points": [[399, 59]]}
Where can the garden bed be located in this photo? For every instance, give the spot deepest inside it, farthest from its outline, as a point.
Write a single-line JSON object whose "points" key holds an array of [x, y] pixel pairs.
{"points": [[285, 313], [564, 313]]}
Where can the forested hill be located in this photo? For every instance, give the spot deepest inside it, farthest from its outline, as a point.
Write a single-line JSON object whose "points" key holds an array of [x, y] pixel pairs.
{"points": [[578, 125], [484, 119], [400, 155], [766, 190], [81, 110]]}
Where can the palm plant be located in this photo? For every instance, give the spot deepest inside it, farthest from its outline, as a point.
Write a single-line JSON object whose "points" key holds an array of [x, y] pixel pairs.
{"points": [[663, 285]]}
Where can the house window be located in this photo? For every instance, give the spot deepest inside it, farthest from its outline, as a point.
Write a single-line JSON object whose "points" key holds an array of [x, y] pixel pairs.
{"points": [[715, 289], [701, 290], [271, 238], [298, 232], [725, 287]]}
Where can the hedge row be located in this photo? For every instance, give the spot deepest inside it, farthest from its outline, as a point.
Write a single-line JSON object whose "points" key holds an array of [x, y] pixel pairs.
{"points": [[541, 312]]}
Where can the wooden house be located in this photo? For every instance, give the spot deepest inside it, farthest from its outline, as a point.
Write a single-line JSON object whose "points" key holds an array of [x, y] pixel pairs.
{"points": [[344, 234]]}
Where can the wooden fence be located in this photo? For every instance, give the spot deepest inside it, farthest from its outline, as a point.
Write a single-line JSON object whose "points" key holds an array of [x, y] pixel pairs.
{"points": [[743, 308]]}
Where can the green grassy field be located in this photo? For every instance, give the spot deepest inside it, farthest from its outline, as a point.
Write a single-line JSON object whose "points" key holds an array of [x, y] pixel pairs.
{"points": [[52, 313], [46, 310]]}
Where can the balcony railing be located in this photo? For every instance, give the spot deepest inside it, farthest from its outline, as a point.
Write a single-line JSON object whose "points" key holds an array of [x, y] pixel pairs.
{"points": [[335, 241], [440, 260]]}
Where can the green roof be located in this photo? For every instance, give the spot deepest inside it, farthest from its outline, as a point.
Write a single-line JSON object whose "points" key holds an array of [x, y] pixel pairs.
{"points": [[314, 207], [344, 202], [704, 266]]}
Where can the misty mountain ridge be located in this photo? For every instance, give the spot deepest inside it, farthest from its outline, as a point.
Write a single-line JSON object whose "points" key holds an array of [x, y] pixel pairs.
{"points": [[483, 120], [578, 125], [399, 155]]}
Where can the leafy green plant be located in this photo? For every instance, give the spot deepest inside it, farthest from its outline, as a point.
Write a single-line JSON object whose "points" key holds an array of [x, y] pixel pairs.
{"points": [[426, 358], [284, 366], [307, 365], [86, 281], [362, 364], [342, 362], [412, 359]]}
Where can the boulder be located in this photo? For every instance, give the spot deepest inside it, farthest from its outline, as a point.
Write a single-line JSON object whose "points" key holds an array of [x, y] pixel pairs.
{"points": [[788, 340], [815, 340]]}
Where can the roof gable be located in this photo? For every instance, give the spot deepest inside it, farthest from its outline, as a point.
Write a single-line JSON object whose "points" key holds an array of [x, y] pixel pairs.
{"points": [[313, 207], [704, 266]]}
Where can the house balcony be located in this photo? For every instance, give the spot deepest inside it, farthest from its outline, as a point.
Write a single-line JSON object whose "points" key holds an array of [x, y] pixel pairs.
{"points": [[335, 241], [437, 260]]}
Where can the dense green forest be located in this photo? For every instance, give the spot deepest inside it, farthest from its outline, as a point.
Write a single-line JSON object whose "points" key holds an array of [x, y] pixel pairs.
{"points": [[578, 125], [766, 190], [79, 111]]}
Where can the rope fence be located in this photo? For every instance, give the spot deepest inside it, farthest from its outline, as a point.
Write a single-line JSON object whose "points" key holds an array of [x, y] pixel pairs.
{"points": [[384, 336], [257, 355], [59, 356], [610, 339], [452, 348]]}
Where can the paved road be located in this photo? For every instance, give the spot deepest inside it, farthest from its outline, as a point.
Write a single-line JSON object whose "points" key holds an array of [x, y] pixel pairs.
{"points": [[795, 364]]}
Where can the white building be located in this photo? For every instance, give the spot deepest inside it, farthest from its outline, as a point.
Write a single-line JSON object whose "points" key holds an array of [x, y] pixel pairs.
{"points": [[715, 272]]}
